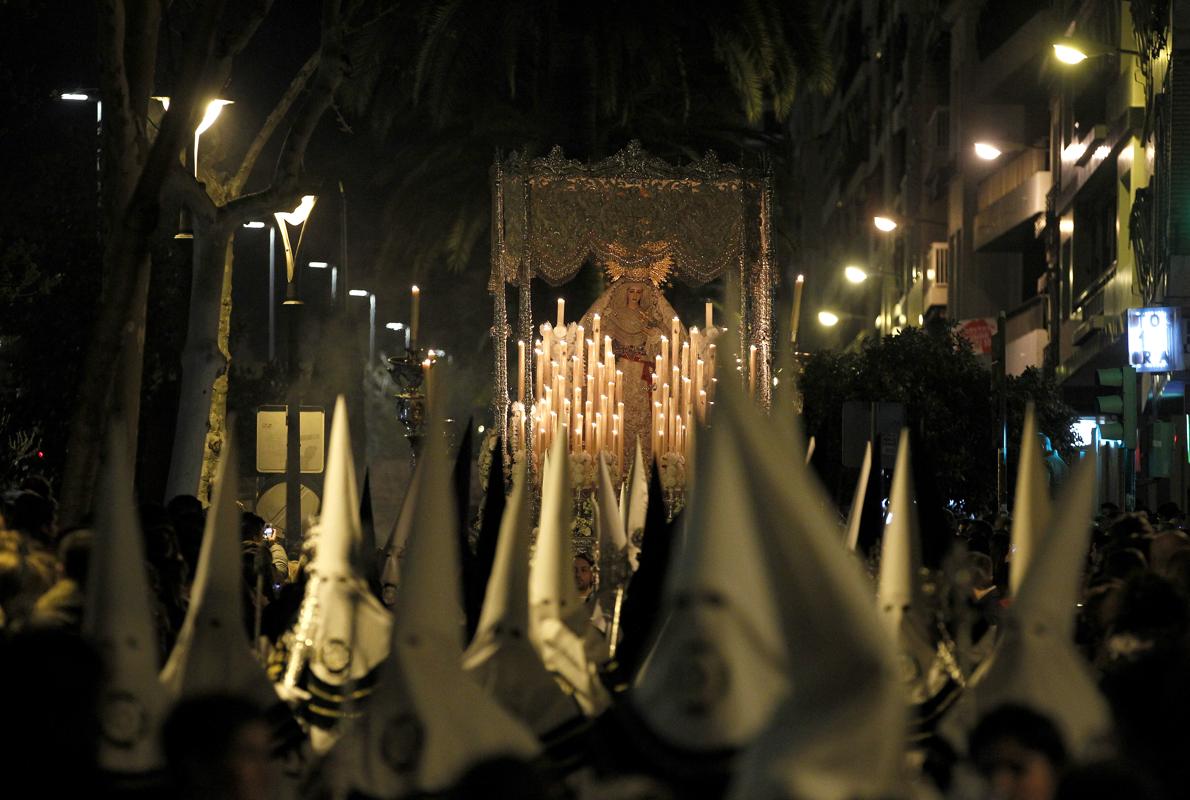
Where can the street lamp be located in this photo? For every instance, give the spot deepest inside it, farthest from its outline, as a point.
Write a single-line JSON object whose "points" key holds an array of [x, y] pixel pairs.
{"points": [[828, 319], [854, 274], [85, 96], [213, 110], [884, 224], [371, 321], [987, 151], [258, 225], [1073, 51], [296, 217], [334, 275], [398, 327]]}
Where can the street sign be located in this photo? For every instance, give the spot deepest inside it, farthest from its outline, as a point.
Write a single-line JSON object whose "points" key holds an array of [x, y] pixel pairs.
{"points": [[270, 439], [1155, 339]]}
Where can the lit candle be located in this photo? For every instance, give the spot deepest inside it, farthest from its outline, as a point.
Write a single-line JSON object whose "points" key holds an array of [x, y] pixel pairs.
{"points": [[540, 373], [752, 370], [685, 359], [664, 369], [595, 333], [675, 328], [711, 368], [415, 316], [620, 389], [795, 315], [425, 379], [579, 353], [561, 312], [520, 369], [710, 316]]}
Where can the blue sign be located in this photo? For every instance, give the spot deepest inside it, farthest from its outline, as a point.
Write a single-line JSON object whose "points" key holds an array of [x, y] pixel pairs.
{"points": [[1155, 339]]}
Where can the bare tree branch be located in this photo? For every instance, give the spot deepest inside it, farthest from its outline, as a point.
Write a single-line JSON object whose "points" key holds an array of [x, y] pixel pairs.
{"points": [[271, 123]]}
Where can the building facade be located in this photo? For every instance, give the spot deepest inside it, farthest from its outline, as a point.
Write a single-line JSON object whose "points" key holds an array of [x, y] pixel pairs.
{"points": [[1060, 220]]}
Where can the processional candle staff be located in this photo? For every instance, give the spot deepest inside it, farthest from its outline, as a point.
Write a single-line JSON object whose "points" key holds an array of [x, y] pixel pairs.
{"points": [[795, 315], [415, 315]]}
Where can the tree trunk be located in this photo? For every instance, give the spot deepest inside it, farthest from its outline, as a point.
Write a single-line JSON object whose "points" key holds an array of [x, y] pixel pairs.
{"points": [[217, 421], [204, 364]]}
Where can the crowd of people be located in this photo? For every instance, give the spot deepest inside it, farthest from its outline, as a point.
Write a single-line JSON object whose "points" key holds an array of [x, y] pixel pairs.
{"points": [[1133, 631]]}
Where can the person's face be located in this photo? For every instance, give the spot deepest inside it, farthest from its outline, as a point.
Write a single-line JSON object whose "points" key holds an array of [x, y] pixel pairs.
{"points": [[1014, 772], [248, 763], [584, 578], [634, 295]]}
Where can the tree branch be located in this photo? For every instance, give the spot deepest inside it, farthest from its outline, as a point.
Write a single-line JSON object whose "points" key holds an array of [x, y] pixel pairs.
{"points": [[181, 184], [233, 40], [271, 123]]}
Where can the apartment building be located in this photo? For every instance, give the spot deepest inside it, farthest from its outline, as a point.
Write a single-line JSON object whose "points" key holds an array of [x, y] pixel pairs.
{"points": [[1022, 191]]}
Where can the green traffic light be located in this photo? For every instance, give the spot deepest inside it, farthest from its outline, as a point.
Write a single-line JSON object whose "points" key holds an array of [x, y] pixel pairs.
{"points": [[1123, 404]]}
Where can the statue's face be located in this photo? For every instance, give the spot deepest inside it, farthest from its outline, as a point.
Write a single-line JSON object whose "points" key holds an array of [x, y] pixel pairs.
{"points": [[635, 293]]}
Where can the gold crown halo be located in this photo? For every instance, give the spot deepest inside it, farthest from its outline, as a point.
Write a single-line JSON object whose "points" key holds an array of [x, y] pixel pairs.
{"points": [[652, 262]]}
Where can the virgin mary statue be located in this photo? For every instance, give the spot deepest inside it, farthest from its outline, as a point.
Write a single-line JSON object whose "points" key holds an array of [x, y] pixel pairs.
{"points": [[635, 314]]}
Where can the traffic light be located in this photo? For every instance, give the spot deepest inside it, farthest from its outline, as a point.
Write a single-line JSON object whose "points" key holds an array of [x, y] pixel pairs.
{"points": [[1123, 405]]}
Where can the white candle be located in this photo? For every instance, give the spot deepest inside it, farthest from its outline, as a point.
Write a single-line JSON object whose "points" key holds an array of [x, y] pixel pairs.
{"points": [[752, 370], [415, 316], [795, 315], [520, 369], [595, 332], [710, 316], [561, 312], [675, 326]]}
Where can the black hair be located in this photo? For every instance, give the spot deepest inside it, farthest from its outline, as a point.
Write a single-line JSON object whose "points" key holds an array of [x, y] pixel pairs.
{"points": [[1031, 730], [200, 729]]}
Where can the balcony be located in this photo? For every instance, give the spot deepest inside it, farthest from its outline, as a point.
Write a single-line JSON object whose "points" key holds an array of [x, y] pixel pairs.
{"points": [[936, 286], [1025, 336], [1009, 199]]}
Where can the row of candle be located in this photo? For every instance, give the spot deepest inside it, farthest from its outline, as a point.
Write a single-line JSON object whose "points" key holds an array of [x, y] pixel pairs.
{"points": [[578, 392]]}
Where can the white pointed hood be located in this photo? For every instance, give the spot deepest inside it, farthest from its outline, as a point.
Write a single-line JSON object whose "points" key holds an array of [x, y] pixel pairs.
{"points": [[840, 732], [398, 540], [1036, 663], [559, 621], [900, 555], [857, 502], [500, 657], [213, 653], [637, 488], [429, 722], [552, 591], [614, 570], [119, 621], [351, 635], [1031, 511], [719, 666]]}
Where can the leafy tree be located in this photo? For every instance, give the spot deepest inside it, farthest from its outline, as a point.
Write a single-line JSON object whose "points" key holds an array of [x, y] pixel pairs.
{"points": [[950, 404]]}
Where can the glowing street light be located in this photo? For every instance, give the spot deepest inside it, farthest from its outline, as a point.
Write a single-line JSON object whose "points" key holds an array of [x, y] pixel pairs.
{"points": [[987, 151], [75, 96], [854, 274], [256, 223], [296, 217], [358, 292], [828, 319], [214, 109], [1068, 53], [884, 224]]}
